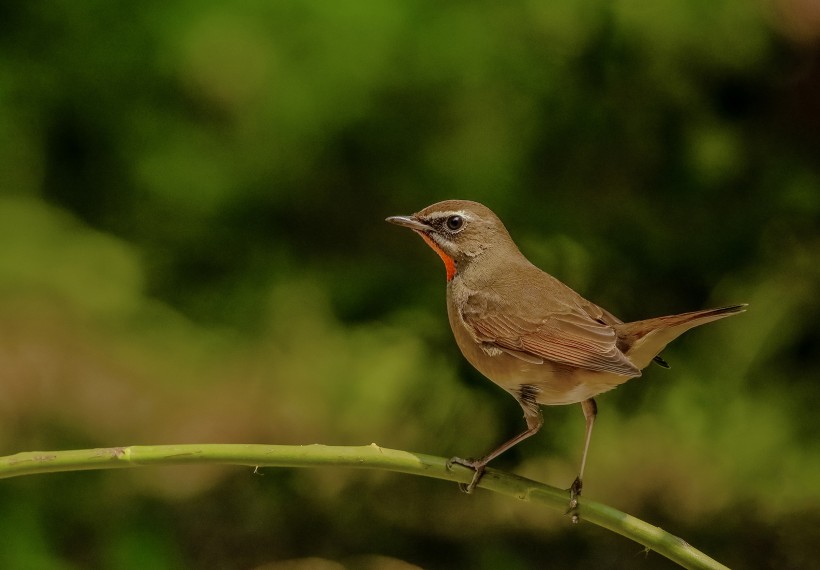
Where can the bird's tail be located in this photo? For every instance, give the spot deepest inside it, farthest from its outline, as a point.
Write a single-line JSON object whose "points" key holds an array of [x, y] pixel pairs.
{"points": [[641, 341]]}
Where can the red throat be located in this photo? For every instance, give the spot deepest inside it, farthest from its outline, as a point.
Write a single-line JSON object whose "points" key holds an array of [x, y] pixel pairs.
{"points": [[449, 262]]}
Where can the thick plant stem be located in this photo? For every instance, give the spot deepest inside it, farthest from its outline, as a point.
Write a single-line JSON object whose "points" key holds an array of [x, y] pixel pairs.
{"points": [[368, 457]]}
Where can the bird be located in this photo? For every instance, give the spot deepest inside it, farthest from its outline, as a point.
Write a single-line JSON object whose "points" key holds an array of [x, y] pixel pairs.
{"points": [[531, 334]]}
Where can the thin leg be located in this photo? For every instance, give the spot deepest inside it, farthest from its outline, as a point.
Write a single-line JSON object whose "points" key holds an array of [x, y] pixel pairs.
{"points": [[534, 422], [590, 409]]}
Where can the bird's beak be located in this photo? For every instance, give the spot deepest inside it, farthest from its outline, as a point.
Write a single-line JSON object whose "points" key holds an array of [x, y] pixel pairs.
{"points": [[408, 222]]}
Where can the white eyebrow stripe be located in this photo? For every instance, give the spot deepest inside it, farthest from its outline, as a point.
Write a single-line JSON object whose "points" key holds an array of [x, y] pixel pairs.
{"points": [[461, 213]]}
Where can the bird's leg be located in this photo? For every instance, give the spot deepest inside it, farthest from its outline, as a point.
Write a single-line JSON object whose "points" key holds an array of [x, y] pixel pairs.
{"points": [[535, 420], [590, 409]]}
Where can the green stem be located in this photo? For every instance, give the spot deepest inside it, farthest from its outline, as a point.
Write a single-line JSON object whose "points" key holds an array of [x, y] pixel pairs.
{"points": [[368, 457]]}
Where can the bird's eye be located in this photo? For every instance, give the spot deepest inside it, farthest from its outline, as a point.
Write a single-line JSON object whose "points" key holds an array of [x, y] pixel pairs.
{"points": [[454, 223]]}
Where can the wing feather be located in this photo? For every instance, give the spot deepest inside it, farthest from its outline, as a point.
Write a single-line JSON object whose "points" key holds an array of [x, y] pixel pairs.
{"points": [[572, 338]]}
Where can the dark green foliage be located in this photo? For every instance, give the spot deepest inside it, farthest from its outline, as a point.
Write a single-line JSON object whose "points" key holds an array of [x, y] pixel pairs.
{"points": [[192, 249]]}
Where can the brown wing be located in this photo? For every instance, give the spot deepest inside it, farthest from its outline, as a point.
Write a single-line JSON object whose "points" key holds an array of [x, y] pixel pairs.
{"points": [[572, 338]]}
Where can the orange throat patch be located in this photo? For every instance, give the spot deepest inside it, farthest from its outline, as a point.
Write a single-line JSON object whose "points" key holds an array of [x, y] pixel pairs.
{"points": [[449, 262]]}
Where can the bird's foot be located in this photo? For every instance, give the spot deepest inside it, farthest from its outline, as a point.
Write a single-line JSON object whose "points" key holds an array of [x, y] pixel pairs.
{"points": [[474, 464], [574, 493]]}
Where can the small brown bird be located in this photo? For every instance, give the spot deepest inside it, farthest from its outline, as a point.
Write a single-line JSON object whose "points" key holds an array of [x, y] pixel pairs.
{"points": [[529, 333]]}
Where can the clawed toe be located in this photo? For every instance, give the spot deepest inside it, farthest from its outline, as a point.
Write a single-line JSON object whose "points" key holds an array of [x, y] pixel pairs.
{"points": [[473, 464], [574, 493], [466, 488]]}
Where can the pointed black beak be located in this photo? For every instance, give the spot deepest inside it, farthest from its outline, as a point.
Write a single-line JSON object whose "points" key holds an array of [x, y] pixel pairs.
{"points": [[408, 222]]}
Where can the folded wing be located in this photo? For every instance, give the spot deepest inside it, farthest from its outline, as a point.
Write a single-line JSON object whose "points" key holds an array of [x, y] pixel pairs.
{"points": [[572, 338]]}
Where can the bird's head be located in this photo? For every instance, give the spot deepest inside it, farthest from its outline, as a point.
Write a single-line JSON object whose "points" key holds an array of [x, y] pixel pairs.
{"points": [[459, 231]]}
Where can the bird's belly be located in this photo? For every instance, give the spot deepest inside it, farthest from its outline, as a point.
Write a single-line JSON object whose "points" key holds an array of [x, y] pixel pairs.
{"points": [[557, 384]]}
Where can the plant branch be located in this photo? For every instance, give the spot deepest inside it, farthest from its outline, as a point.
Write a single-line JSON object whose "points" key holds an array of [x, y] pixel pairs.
{"points": [[368, 457]]}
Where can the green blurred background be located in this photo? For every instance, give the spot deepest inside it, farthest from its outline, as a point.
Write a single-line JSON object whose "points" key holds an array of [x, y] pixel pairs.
{"points": [[192, 250]]}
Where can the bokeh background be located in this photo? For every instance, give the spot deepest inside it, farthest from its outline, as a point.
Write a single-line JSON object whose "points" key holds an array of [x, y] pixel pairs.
{"points": [[192, 250]]}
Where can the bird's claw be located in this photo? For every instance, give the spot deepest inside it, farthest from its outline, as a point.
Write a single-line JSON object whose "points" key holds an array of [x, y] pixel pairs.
{"points": [[574, 493], [473, 464]]}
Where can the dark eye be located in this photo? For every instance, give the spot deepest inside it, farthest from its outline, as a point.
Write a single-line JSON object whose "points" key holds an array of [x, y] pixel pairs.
{"points": [[454, 223]]}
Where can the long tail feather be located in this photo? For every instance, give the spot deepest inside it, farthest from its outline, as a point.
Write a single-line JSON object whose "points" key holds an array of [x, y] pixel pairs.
{"points": [[641, 341]]}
